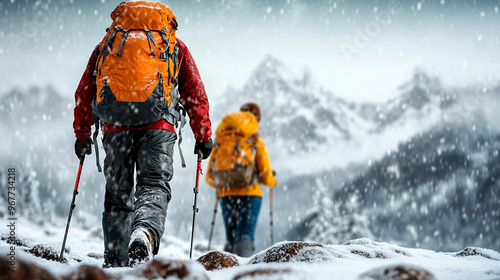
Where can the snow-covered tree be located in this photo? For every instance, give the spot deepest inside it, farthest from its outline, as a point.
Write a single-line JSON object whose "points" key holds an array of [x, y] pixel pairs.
{"points": [[333, 226]]}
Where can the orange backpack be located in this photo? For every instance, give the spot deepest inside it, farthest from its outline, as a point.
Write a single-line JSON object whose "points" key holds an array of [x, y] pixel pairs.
{"points": [[137, 67]]}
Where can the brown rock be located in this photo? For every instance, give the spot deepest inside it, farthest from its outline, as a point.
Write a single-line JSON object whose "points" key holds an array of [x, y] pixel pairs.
{"points": [[401, 252], [263, 274], [88, 272], [293, 251], [14, 241], [22, 271], [161, 269], [216, 260], [44, 252], [472, 251], [95, 256], [398, 272], [378, 255]]}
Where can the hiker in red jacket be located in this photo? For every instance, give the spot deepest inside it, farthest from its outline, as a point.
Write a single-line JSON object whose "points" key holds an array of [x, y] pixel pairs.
{"points": [[133, 221]]}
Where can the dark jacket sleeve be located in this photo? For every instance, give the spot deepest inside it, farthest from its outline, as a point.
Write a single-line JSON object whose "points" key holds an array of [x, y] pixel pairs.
{"points": [[193, 95], [83, 100]]}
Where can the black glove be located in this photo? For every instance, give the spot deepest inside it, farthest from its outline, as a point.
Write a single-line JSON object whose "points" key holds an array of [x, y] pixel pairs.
{"points": [[204, 147], [83, 147]]}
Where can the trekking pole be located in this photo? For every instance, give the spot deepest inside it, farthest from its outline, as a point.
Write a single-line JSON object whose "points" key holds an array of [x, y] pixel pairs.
{"points": [[196, 189], [75, 192], [213, 221], [271, 215]]}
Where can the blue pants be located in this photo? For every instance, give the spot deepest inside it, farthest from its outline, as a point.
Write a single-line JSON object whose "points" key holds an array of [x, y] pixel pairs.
{"points": [[240, 214]]}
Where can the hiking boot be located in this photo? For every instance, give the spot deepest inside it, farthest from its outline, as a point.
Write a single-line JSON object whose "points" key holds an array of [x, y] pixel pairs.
{"points": [[112, 260], [140, 248], [244, 248], [109, 265], [228, 247]]}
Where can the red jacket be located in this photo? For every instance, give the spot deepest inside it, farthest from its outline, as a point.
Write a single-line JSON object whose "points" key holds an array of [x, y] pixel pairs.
{"points": [[193, 98]]}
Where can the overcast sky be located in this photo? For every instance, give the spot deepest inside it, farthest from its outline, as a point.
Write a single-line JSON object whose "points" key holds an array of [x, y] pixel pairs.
{"points": [[360, 50]]}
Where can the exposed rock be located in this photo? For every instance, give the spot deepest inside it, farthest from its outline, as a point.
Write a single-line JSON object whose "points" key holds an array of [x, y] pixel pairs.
{"points": [[95, 256], [294, 251], [264, 274], [88, 272], [44, 252], [398, 272], [473, 251], [216, 260], [402, 252], [163, 269], [14, 241], [378, 255], [22, 271]]}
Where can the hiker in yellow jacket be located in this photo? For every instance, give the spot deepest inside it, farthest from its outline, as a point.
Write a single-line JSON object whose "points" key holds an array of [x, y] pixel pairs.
{"points": [[237, 167]]}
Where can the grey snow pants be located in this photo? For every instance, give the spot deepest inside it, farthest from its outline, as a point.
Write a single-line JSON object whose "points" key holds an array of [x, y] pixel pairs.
{"points": [[125, 208]]}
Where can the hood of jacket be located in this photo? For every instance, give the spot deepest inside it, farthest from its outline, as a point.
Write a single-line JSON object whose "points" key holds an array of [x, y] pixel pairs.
{"points": [[237, 125]]}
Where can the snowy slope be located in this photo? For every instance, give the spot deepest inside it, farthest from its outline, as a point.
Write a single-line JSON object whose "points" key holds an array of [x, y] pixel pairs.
{"points": [[355, 259]]}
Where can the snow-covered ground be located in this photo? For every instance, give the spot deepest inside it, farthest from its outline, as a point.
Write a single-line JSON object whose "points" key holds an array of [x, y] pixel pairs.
{"points": [[355, 259]]}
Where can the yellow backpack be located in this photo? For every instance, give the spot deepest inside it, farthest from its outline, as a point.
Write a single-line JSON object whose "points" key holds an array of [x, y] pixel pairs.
{"points": [[233, 158]]}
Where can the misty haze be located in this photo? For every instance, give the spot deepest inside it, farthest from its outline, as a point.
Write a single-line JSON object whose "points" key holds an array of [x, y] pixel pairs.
{"points": [[380, 117]]}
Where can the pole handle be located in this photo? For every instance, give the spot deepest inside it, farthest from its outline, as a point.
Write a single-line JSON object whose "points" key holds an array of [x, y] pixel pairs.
{"points": [[200, 155], [77, 183]]}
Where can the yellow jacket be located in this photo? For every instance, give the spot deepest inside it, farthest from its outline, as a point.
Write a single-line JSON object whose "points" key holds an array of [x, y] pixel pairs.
{"points": [[244, 123]]}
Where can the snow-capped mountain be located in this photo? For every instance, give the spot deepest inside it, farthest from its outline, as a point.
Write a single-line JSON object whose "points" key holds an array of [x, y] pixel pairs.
{"points": [[437, 190], [293, 107], [417, 97], [305, 124], [35, 104]]}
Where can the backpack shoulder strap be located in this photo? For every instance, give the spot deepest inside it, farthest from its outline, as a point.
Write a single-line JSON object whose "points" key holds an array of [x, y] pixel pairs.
{"points": [[96, 146], [175, 112], [256, 179]]}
